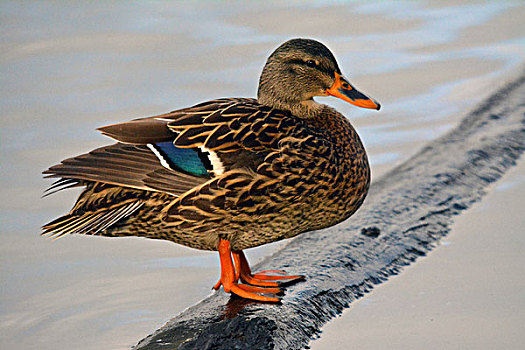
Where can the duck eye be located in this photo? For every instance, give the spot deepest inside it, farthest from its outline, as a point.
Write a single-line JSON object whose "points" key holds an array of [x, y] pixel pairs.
{"points": [[311, 63]]}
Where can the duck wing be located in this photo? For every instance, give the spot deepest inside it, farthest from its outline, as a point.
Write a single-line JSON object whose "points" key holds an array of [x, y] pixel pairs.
{"points": [[227, 125], [227, 134]]}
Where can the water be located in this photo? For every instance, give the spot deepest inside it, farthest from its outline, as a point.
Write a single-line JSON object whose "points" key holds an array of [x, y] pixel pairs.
{"points": [[67, 68]]}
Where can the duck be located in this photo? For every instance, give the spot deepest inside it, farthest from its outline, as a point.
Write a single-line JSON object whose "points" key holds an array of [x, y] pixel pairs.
{"points": [[231, 173]]}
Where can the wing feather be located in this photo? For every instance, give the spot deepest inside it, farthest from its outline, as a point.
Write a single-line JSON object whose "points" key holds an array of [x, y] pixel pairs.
{"points": [[133, 166]]}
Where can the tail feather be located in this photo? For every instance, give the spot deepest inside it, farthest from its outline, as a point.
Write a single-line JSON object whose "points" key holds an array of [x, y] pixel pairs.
{"points": [[61, 184], [90, 223]]}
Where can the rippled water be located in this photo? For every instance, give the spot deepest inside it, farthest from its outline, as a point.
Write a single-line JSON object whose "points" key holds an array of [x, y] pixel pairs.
{"points": [[67, 68]]}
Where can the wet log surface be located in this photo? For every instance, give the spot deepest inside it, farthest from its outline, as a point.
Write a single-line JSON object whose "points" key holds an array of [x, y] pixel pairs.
{"points": [[407, 211]]}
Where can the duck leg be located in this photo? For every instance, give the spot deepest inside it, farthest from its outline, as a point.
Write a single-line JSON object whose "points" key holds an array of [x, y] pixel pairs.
{"points": [[262, 279], [229, 278]]}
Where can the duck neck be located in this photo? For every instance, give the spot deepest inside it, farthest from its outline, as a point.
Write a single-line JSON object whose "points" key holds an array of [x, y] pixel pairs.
{"points": [[306, 109]]}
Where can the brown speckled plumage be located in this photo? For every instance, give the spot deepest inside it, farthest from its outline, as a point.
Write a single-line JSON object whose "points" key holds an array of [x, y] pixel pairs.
{"points": [[271, 168]]}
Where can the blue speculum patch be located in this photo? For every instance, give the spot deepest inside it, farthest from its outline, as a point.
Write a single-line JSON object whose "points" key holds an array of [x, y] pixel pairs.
{"points": [[185, 159]]}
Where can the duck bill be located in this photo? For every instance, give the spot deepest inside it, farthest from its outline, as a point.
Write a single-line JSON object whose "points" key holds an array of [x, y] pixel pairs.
{"points": [[345, 91]]}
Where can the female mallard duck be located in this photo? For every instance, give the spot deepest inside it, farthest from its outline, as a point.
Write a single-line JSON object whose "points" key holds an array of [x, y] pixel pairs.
{"points": [[232, 173]]}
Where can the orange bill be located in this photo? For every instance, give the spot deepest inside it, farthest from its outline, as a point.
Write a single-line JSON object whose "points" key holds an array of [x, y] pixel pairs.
{"points": [[345, 91]]}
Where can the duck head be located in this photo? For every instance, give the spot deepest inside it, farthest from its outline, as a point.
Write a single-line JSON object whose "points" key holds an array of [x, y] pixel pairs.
{"points": [[301, 69]]}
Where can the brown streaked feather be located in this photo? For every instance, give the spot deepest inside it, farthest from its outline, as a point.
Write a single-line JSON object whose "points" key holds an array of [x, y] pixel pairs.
{"points": [[98, 208], [231, 125], [133, 166], [226, 125], [142, 131]]}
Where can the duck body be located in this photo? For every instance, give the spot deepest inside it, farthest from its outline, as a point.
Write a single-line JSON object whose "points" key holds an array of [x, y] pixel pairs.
{"points": [[227, 174], [279, 176]]}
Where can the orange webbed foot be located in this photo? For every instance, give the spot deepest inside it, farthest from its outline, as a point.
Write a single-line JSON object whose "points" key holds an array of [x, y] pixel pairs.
{"points": [[230, 279], [263, 278]]}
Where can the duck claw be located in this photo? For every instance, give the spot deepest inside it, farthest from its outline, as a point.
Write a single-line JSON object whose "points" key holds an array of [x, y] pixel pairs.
{"points": [[279, 272], [240, 291], [261, 276], [263, 290]]}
